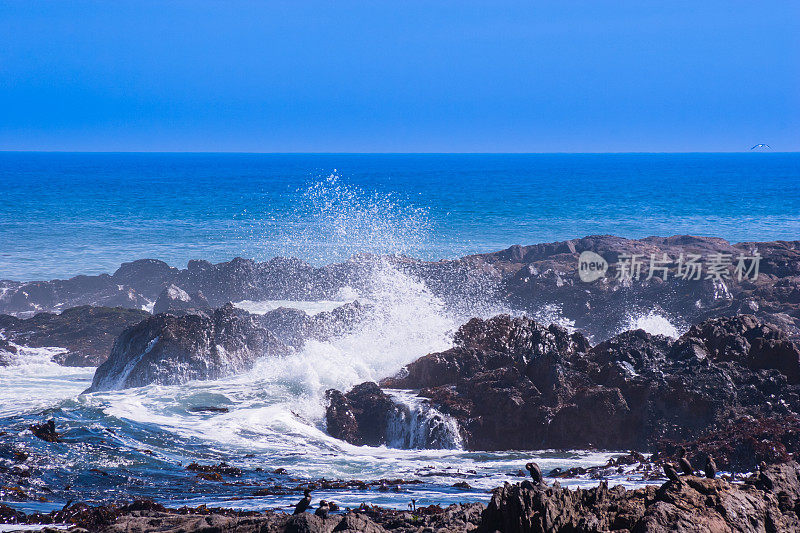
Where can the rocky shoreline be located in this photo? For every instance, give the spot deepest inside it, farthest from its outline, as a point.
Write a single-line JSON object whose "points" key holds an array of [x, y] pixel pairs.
{"points": [[729, 386], [526, 278], [767, 502]]}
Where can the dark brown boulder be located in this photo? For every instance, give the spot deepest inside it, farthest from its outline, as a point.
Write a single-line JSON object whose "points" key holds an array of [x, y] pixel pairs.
{"points": [[359, 417]]}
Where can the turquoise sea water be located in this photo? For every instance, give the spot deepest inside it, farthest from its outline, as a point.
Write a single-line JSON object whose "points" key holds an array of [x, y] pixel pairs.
{"points": [[67, 213]]}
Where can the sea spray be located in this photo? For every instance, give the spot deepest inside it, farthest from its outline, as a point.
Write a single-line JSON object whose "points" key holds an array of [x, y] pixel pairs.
{"points": [[418, 425]]}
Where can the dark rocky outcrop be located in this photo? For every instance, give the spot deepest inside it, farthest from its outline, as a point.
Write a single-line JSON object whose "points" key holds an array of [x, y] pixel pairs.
{"points": [[743, 444], [87, 333], [173, 298], [512, 383], [528, 278], [359, 417], [690, 504], [145, 516], [168, 349]]}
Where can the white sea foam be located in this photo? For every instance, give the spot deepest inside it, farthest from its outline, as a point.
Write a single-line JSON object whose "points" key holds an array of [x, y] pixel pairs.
{"points": [[33, 381], [653, 323], [310, 307]]}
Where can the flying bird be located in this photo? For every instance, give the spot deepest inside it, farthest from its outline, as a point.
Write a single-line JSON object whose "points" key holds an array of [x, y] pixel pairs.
{"points": [[761, 146]]}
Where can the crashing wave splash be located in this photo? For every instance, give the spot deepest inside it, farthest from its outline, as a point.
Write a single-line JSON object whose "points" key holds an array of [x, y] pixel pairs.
{"points": [[417, 425]]}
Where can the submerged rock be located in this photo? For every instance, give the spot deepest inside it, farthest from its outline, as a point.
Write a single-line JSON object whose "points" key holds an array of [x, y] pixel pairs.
{"points": [[168, 350], [46, 431]]}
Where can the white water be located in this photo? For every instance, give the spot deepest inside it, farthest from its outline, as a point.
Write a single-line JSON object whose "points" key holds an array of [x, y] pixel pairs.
{"points": [[653, 323]]}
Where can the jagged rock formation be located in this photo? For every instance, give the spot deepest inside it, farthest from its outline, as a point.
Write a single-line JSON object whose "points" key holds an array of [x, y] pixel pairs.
{"points": [[690, 504], [87, 333], [168, 349], [528, 278], [511, 383], [173, 298]]}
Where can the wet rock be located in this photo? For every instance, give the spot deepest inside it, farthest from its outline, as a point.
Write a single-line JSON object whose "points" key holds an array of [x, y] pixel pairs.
{"points": [[514, 384], [147, 276], [167, 349], [357, 522], [741, 445], [294, 326], [745, 340], [689, 504], [87, 333], [173, 298], [359, 417], [46, 431], [221, 469]]}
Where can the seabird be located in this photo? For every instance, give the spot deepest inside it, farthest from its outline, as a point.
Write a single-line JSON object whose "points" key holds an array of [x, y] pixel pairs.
{"points": [[322, 509], [303, 504], [763, 478], [671, 473], [684, 463], [536, 473], [761, 145], [711, 467]]}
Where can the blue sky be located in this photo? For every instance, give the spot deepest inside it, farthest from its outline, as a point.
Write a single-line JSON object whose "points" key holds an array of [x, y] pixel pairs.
{"points": [[397, 76]]}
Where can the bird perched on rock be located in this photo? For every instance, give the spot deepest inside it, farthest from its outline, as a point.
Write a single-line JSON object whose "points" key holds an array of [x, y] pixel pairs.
{"points": [[711, 467], [684, 463], [303, 504], [671, 473], [763, 479], [322, 509], [536, 473]]}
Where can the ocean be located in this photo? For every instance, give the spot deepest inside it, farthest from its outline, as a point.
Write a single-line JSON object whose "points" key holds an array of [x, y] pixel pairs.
{"points": [[67, 214], [64, 214]]}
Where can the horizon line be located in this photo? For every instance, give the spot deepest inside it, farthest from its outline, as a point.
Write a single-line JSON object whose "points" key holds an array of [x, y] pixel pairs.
{"points": [[233, 152]]}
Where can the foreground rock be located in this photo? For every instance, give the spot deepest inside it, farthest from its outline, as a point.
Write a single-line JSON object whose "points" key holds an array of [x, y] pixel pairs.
{"points": [[168, 349], [146, 516], [512, 383], [690, 504], [87, 333], [769, 503]]}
